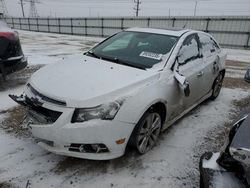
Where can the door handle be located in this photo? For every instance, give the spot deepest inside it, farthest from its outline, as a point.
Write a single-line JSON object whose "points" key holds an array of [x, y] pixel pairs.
{"points": [[212, 50], [200, 74]]}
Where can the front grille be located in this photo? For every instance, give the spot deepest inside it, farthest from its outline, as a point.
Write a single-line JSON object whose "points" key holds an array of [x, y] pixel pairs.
{"points": [[45, 98], [40, 114]]}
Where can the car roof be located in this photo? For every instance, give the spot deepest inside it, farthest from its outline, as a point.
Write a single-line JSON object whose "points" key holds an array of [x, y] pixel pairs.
{"points": [[173, 31]]}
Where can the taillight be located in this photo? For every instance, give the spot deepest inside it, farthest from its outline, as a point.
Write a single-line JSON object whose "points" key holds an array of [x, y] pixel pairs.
{"points": [[9, 35]]}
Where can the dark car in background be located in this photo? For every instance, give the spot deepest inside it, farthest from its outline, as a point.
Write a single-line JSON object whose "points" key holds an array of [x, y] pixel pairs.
{"points": [[11, 55], [247, 75], [229, 168]]}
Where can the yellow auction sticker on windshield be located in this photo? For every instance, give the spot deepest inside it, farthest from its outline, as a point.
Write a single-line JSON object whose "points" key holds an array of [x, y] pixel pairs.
{"points": [[151, 55]]}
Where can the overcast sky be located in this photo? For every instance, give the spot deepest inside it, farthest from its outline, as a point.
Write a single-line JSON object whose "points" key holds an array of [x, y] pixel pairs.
{"points": [[95, 8]]}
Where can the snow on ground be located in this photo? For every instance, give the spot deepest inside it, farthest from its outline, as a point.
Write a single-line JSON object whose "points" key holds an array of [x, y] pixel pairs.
{"points": [[5, 101], [44, 48], [172, 163], [238, 55]]}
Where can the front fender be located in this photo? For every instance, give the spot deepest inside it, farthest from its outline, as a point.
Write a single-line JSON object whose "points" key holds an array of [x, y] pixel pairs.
{"points": [[136, 105]]}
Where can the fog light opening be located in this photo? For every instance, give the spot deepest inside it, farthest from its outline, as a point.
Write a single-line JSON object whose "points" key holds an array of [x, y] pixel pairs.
{"points": [[88, 148]]}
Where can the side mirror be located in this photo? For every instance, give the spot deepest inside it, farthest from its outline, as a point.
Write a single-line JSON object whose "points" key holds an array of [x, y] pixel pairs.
{"points": [[180, 60], [184, 84]]}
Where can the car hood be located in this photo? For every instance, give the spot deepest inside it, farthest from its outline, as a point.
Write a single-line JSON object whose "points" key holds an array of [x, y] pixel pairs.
{"points": [[84, 81]]}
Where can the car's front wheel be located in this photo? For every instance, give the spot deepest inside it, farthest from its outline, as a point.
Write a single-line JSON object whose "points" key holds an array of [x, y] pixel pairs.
{"points": [[147, 131], [217, 86]]}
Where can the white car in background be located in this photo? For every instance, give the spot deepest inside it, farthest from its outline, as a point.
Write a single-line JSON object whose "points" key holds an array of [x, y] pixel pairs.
{"points": [[123, 92]]}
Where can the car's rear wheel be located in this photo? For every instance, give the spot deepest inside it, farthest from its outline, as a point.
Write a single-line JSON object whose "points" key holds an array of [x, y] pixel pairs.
{"points": [[146, 132], [217, 86]]}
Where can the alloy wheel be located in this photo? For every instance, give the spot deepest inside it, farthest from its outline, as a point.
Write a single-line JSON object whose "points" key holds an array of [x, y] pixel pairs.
{"points": [[148, 132], [218, 85]]}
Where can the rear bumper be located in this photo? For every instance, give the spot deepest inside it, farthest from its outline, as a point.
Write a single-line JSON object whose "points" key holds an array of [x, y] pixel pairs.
{"points": [[13, 64]]}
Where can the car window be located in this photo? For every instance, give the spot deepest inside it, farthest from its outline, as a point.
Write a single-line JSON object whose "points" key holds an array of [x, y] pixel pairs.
{"points": [[208, 45], [189, 50], [118, 44], [136, 48]]}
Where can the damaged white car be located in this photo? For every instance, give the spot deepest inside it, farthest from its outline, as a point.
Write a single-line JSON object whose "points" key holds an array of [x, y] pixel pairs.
{"points": [[123, 92]]}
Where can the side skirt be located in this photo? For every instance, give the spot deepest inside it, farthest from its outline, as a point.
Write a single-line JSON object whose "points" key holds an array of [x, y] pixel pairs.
{"points": [[169, 123]]}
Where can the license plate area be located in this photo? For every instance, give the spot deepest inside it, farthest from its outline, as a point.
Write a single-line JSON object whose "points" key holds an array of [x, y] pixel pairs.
{"points": [[37, 113]]}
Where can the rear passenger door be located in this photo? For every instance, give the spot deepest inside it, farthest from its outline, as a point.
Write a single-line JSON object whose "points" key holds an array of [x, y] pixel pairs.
{"points": [[209, 50]]}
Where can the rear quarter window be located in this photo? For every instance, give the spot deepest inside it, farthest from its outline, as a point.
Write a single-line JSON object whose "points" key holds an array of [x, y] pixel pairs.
{"points": [[209, 46]]}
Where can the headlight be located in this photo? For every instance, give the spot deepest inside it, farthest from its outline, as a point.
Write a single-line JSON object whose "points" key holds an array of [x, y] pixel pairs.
{"points": [[104, 112]]}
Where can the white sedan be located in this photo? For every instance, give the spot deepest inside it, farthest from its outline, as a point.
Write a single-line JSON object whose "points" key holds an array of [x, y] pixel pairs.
{"points": [[123, 92]]}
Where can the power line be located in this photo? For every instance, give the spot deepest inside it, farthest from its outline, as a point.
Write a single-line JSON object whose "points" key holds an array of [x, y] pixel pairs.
{"points": [[33, 10]]}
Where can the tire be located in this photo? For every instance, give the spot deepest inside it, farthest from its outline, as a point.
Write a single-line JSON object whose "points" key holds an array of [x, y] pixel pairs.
{"points": [[217, 85], [146, 132]]}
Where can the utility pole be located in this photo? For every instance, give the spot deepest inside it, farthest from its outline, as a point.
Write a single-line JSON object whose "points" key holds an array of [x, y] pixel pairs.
{"points": [[3, 7], [137, 7], [195, 7], [21, 2]]}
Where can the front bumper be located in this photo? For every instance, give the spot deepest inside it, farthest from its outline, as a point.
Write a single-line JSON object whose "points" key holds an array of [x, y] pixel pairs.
{"points": [[58, 136], [93, 132]]}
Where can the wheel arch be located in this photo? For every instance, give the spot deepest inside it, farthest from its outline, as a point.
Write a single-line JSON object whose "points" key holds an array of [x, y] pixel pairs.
{"points": [[223, 71], [159, 107], [156, 106]]}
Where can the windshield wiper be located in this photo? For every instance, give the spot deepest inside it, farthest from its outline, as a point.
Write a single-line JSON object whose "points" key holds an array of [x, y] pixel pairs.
{"points": [[115, 60], [90, 53], [121, 62]]}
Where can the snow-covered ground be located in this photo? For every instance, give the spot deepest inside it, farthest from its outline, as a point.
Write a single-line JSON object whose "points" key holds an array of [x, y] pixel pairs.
{"points": [[44, 48], [238, 55], [172, 163]]}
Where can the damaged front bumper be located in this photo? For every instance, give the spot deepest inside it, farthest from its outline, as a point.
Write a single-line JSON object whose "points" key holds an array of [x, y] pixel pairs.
{"points": [[37, 113], [93, 139], [231, 167]]}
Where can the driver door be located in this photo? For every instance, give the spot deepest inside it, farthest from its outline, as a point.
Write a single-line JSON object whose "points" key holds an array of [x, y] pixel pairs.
{"points": [[190, 65]]}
